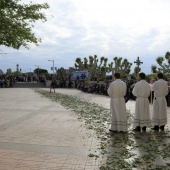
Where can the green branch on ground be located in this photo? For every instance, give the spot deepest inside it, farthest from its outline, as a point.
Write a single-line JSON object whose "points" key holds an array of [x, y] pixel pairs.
{"points": [[123, 150]]}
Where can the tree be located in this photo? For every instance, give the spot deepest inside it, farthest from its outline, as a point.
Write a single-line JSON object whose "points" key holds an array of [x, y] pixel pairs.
{"points": [[16, 22], [137, 70], [40, 71], [9, 71], [121, 66], [153, 69], [94, 67], [163, 62], [80, 64]]}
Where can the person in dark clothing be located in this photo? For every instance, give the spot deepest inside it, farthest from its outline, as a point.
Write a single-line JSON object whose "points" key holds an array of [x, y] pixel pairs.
{"points": [[127, 96], [53, 85]]}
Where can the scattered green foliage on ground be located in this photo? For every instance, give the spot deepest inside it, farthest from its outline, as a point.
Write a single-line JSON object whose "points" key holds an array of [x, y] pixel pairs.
{"points": [[133, 150]]}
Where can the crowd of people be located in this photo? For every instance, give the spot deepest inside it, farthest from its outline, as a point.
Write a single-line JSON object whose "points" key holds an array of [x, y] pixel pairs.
{"points": [[101, 88], [9, 80], [120, 91]]}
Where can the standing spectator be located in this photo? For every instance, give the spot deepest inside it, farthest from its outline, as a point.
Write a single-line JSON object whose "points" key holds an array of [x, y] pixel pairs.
{"points": [[127, 96], [53, 85], [69, 84], [159, 117], [142, 114], [117, 91], [152, 81], [131, 86]]}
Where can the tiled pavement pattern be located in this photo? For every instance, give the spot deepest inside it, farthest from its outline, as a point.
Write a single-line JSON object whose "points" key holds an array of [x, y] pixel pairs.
{"points": [[38, 134]]}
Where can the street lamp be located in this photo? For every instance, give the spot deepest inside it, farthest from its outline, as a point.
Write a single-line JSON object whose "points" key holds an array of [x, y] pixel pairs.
{"points": [[53, 66]]}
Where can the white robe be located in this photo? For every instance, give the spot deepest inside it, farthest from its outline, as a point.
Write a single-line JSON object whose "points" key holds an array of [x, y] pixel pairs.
{"points": [[142, 91], [117, 91], [159, 116]]}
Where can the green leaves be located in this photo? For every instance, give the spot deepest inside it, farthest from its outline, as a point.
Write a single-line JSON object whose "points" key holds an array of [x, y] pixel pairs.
{"points": [[16, 30], [123, 150]]}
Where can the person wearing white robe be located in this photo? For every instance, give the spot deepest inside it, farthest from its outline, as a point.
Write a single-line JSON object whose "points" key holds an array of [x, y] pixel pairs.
{"points": [[159, 116], [142, 91], [117, 91]]}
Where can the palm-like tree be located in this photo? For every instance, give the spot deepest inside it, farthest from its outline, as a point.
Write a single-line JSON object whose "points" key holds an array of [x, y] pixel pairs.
{"points": [[154, 68], [160, 60], [94, 68], [137, 70], [123, 67], [85, 63], [164, 66], [167, 56], [79, 64]]}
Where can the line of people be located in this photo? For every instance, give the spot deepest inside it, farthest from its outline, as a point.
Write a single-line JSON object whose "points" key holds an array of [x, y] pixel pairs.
{"points": [[142, 119]]}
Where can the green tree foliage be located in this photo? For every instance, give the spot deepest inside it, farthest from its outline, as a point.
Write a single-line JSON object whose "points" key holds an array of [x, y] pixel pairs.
{"points": [[137, 70], [16, 22], [164, 64], [123, 66], [61, 73], [95, 67], [9, 71], [40, 71], [80, 64], [153, 68]]}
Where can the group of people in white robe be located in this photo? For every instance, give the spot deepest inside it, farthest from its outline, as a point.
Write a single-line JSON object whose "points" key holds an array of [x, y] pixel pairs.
{"points": [[142, 119]]}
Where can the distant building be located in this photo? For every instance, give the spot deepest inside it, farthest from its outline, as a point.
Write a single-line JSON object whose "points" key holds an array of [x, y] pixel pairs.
{"points": [[1, 72]]}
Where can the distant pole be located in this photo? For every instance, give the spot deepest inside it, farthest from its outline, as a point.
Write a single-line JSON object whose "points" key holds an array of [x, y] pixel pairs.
{"points": [[138, 63], [17, 68], [53, 66]]}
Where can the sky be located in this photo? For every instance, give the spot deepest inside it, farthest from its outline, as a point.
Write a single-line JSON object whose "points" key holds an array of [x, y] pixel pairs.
{"points": [[109, 28]]}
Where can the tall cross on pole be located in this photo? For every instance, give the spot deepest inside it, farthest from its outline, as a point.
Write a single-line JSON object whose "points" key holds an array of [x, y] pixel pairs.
{"points": [[138, 62]]}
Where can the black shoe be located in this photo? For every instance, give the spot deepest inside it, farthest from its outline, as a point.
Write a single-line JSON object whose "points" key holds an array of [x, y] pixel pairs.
{"points": [[113, 130], [122, 132], [144, 128], [137, 129], [162, 127], [155, 128]]}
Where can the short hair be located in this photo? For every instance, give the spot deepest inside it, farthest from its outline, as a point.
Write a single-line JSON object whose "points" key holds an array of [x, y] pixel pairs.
{"points": [[142, 75], [117, 75], [160, 75]]}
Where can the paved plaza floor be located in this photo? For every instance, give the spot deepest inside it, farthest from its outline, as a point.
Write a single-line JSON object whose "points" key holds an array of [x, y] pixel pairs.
{"points": [[39, 134]]}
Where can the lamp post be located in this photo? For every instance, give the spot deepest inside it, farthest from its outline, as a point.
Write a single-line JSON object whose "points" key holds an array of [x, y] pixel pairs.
{"points": [[53, 66]]}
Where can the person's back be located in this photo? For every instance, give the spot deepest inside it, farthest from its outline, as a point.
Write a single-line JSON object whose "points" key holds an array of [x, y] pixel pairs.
{"points": [[142, 113], [160, 88], [159, 116], [143, 89], [117, 91]]}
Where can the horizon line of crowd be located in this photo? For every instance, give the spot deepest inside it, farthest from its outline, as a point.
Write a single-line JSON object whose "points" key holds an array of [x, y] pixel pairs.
{"points": [[96, 87]]}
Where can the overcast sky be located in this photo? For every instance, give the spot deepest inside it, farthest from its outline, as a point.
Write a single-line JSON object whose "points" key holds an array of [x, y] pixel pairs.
{"points": [[109, 28]]}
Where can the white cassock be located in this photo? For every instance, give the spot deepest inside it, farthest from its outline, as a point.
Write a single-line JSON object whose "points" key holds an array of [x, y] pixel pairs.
{"points": [[159, 116], [117, 91], [142, 91]]}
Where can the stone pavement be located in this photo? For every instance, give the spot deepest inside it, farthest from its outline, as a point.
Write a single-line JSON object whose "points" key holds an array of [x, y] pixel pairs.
{"points": [[38, 134]]}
